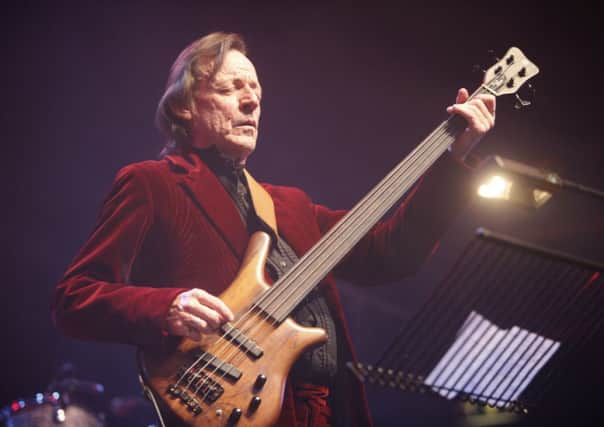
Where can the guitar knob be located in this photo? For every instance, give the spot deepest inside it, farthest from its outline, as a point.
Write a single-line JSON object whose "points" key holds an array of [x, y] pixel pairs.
{"points": [[234, 418], [254, 404], [260, 381]]}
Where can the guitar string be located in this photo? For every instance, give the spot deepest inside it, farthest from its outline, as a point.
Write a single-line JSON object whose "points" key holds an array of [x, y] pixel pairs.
{"points": [[385, 185], [437, 135], [445, 132], [282, 283], [372, 217], [378, 209], [440, 135], [277, 290], [252, 307], [268, 295]]}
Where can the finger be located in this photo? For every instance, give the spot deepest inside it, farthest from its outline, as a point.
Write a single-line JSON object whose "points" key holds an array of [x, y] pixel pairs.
{"points": [[194, 326], [477, 115], [207, 314], [462, 96], [189, 302], [483, 112], [183, 324], [187, 331], [186, 310], [205, 298], [472, 115], [489, 101], [486, 104]]}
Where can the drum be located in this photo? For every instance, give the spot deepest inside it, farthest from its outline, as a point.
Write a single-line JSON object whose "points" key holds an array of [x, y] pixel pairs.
{"points": [[72, 407]]}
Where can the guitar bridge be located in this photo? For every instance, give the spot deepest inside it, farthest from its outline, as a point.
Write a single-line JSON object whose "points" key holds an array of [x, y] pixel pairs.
{"points": [[197, 382], [191, 403]]}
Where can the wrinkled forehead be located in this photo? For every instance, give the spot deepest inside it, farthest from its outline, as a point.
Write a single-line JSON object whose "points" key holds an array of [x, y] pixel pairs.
{"points": [[236, 66]]}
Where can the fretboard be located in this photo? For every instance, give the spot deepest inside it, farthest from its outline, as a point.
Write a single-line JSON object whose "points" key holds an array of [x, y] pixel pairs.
{"points": [[283, 297]]}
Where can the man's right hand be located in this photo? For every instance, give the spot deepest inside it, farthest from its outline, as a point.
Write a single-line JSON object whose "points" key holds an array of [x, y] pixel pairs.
{"points": [[196, 312]]}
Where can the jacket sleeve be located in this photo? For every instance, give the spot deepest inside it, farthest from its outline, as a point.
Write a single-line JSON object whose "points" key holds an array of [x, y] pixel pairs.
{"points": [[94, 299], [397, 246]]}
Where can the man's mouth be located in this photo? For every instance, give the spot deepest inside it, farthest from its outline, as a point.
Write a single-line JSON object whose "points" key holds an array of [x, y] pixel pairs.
{"points": [[250, 123]]}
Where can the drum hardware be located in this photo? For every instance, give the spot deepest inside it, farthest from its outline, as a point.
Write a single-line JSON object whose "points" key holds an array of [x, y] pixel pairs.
{"points": [[67, 401]]}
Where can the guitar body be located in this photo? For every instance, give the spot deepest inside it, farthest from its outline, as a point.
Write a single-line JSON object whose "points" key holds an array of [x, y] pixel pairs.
{"points": [[231, 365]]}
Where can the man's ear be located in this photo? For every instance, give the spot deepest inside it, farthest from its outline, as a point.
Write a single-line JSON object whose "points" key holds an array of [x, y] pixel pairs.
{"points": [[183, 113]]}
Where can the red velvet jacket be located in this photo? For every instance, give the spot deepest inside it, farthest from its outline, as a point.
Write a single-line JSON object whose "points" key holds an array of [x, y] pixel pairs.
{"points": [[169, 225]]}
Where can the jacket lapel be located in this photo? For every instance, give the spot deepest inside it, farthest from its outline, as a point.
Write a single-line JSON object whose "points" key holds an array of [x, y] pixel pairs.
{"points": [[208, 194]]}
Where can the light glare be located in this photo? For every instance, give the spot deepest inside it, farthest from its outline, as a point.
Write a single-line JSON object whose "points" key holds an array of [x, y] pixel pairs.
{"points": [[497, 188]]}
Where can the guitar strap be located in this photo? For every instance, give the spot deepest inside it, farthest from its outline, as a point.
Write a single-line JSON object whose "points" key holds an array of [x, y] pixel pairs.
{"points": [[263, 203]]}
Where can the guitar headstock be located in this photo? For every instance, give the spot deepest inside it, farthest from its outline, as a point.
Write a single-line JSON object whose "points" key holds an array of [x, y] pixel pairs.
{"points": [[509, 73]]}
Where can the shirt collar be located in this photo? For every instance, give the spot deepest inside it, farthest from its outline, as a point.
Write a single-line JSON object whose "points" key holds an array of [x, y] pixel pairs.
{"points": [[217, 163]]}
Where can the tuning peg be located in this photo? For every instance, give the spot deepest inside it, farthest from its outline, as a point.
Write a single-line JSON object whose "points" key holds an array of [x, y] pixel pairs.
{"points": [[521, 103]]}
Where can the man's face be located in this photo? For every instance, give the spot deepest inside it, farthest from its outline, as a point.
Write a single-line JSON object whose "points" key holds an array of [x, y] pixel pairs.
{"points": [[228, 109]]}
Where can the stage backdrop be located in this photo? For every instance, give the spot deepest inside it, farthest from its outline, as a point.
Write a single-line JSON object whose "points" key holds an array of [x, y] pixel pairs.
{"points": [[349, 90]]}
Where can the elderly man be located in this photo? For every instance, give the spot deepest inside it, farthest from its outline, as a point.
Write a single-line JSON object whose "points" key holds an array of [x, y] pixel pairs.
{"points": [[172, 233]]}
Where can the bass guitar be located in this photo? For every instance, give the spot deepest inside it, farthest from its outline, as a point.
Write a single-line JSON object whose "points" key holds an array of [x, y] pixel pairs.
{"points": [[238, 376]]}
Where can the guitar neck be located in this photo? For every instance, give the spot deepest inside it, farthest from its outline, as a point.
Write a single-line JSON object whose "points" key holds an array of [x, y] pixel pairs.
{"points": [[283, 297], [505, 77]]}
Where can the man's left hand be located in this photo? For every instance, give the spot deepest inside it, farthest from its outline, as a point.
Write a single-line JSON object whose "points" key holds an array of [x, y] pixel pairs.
{"points": [[479, 112]]}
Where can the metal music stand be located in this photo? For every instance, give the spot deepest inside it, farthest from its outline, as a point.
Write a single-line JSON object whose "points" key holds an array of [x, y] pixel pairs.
{"points": [[506, 322]]}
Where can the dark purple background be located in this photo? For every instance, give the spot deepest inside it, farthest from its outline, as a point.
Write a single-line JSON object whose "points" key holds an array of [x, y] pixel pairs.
{"points": [[348, 91]]}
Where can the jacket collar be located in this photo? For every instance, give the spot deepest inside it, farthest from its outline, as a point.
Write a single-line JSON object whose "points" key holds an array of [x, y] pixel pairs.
{"points": [[208, 194]]}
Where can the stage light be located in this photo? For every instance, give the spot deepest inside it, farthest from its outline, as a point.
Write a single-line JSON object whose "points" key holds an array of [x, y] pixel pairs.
{"points": [[496, 188], [516, 182], [60, 415]]}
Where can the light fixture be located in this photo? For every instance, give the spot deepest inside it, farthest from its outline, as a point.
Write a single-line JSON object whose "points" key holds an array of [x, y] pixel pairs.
{"points": [[506, 179]]}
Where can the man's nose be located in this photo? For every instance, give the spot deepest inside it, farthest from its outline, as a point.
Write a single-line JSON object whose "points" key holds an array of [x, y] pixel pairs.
{"points": [[249, 101]]}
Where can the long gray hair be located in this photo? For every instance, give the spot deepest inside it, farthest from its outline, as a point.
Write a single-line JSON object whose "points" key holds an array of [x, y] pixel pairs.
{"points": [[198, 61]]}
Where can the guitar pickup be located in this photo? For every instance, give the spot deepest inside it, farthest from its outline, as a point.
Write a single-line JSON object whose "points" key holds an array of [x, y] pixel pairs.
{"points": [[211, 362], [237, 337]]}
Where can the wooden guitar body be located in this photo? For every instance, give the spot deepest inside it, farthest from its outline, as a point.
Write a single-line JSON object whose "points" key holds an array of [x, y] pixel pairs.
{"points": [[250, 385]]}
